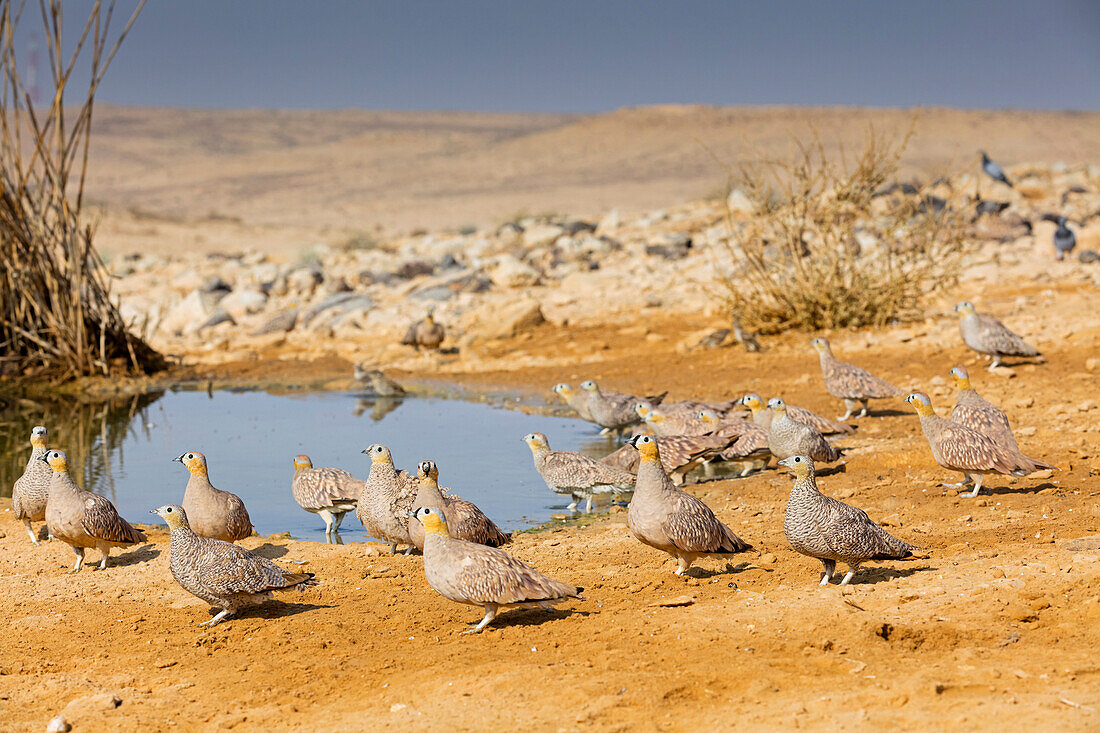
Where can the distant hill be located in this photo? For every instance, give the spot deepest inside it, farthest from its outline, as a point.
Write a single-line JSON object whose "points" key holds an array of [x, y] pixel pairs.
{"points": [[351, 169]]}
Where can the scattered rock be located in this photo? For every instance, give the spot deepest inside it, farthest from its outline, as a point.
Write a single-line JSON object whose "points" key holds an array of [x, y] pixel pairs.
{"points": [[243, 302], [58, 724], [673, 602], [767, 559], [1088, 256], [91, 703], [507, 319], [541, 235], [511, 273]]}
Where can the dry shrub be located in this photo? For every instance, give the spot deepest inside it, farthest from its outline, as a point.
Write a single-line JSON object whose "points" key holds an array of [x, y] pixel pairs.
{"points": [[822, 250], [56, 310]]}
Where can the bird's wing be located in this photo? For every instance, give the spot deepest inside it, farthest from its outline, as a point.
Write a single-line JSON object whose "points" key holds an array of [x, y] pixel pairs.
{"points": [[228, 569], [1001, 339], [851, 533], [860, 383], [410, 336], [102, 521], [691, 526], [489, 575], [239, 525], [963, 448], [466, 521]]}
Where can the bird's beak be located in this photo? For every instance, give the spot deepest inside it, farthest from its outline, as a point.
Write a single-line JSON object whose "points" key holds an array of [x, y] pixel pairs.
{"points": [[363, 451], [44, 458], [152, 511], [178, 459], [634, 441]]}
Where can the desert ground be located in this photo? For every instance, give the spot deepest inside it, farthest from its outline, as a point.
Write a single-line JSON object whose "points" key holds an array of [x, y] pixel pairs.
{"points": [[994, 627]]}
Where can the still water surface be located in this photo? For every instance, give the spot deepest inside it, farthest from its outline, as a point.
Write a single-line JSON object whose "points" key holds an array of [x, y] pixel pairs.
{"points": [[124, 450]]}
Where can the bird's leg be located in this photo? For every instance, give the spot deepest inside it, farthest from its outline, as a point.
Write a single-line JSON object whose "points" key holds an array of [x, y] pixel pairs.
{"points": [[336, 539], [393, 548], [573, 507], [849, 405], [605, 431], [964, 482], [490, 614], [409, 549], [977, 487], [708, 469], [996, 362], [866, 405], [830, 568], [79, 559], [852, 568], [106, 550], [216, 620], [326, 515], [339, 519], [588, 505], [30, 531], [684, 562]]}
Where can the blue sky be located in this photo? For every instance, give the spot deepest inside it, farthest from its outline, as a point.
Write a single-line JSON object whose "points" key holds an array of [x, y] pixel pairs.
{"points": [[595, 55]]}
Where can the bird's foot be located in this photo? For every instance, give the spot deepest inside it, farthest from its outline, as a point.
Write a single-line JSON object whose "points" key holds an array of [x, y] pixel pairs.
{"points": [[74, 571], [824, 579], [848, 577]]}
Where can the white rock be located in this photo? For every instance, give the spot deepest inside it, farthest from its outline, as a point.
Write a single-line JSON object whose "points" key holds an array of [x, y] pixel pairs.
{"points": [[58, 724], [509, 272], [541, 234], [243, 302], [186, 316], [739, 203]]}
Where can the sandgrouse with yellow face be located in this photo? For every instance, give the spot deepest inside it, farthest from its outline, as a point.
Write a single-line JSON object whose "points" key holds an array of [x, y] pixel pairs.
{"points": [[387, 499], [478, 575], [213, 513], [465, 521], [32, 489], [574, 474], [81, 519]]}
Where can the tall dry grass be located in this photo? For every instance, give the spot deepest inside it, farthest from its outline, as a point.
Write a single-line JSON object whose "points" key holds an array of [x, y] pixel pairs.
{"points": [[821, 249], [56, 310]]}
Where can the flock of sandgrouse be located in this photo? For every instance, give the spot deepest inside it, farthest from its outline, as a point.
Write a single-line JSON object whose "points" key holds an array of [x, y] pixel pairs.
{"points": [[460, 545]]}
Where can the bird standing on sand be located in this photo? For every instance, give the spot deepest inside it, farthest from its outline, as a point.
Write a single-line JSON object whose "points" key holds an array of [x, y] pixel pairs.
{"points": [[849, 382], [1064, 240], [958, 448], [788, 438], [762, 416], [671, 520], [988, 336], [832, 531], [32, 490], [425, 333], [993, 170], [974, 412], [379, 383], [746, 338], [330, 493], [464, 520], [477, 575], [387, 499], [82, 519], [749, 447], [576, 475], [212, 512], [577, 400], [226, 576]]}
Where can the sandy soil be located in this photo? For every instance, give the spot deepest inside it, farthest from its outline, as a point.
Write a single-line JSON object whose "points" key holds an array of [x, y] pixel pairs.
{"points": [[997, 628], [284, 181]]}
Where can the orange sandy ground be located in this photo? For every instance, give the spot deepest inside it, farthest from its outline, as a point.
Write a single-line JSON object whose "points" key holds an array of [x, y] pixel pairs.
{"points": [[998, 628]]}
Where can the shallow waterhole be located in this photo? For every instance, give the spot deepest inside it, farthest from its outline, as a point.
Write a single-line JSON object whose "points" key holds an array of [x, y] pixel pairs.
{"points": [[123, 449]]}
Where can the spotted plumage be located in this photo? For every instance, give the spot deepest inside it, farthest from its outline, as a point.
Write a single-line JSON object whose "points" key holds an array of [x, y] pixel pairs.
{"points": [[820, 526], [31, 491], [986, 335], [82, 519], [958, 448], [465, 520], [387, 498], [749, 446], [671, 520], [762, 416], [788, 438], [974, 412], [378, 382], [576, 475], [614, 410], [477, 575], [666, 425], [850, 383], [577, 399], [226, 576], [330, 493], [213, 513]]}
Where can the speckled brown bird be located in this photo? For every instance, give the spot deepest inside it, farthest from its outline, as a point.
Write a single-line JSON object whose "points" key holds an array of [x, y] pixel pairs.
{"points": [[426, 333], [574, 474], [988, 336], [762, 416], [832, 531], [477, 575], [81, 519], [746, 338], [749, 449], [972, 411], [788, 438], [850, 383], [226, 576], [666, 426], [212, 512], [671, 520], [32, 490], [958, 448], [387, 499], [377, 381], [578, 400], [465, 520], [330, 493]]}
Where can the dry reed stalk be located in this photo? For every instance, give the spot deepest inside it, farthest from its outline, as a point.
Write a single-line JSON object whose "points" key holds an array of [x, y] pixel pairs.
{"points": [[56, 310]]}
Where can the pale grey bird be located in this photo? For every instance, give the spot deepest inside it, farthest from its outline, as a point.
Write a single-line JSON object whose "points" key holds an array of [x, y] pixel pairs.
{"points": [[832, 531], [614, 410], [788, 438], [387, 499], [993, 170], [478, 575], [578, 400], [854, 385], [986, 335], [32, 490], [377, 381], [226, 576]]}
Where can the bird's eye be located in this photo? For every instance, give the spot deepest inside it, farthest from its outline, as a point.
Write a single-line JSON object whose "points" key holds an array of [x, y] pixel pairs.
{"points": [[168, 510]]}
